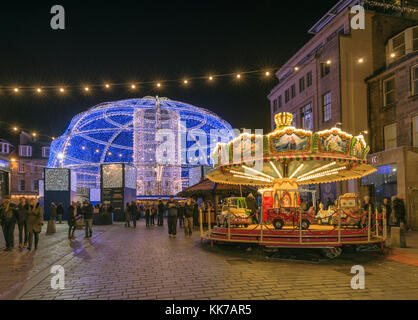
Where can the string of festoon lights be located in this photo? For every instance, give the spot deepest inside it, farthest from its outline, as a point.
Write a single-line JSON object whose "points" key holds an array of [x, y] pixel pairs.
{"points": [[135, 85]]}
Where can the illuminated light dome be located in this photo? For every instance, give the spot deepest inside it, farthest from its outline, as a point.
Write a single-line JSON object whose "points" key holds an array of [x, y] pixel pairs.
{"points": [[125, 131]]}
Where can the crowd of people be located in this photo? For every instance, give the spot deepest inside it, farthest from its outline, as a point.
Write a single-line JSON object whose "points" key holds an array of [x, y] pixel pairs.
{"points": [[28, 216]]}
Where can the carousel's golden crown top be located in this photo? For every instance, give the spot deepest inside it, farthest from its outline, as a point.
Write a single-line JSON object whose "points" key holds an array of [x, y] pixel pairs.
{"points": [[283, 119]]}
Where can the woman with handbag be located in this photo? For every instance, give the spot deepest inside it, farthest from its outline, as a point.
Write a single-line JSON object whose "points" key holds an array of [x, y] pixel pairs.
{"points": [[34, 222]]}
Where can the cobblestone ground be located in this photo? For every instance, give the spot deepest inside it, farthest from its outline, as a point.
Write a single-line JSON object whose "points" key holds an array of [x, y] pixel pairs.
{"points": [[122, 263]]}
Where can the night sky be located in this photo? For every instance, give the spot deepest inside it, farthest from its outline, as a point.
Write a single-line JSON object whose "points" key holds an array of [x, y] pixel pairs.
{"points": [[124, 41]]}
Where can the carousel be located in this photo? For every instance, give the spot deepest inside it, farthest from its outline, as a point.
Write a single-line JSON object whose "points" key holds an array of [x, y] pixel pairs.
{"points": [[280, 164]]}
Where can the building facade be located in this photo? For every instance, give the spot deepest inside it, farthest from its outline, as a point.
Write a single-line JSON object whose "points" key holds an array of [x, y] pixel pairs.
{"points": [[393, 123], [28, 157], [323, 84]]}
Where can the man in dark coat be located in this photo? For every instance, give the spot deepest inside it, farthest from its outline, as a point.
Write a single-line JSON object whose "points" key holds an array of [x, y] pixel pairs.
{"points": [[252, 206], [133, 209], [8, 218], [72, 213], [60, 212], [22, 212], [172, 212], [399, 209], [87, 212], [161, 209]]}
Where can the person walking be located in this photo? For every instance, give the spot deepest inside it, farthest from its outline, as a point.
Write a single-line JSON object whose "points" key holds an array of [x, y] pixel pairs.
{"points": [[8, 218], [400, 212], [128, 216], [72, 214], [153, 213], [161, 209], [60, 212], [172, 211], [180, 215], [134, 213], [388, 208], [188, 218], [252, 206], [34, 223], [53, 210], [22, 212], [147, 215], [87, 212]]}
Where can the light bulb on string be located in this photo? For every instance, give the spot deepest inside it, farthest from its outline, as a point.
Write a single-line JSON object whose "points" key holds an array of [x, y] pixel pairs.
{"points": [[61, 90], [38, 90], [238, 76], [107, 86], [16, 90], [86, 89], [210, 78], [159, 85], [133, 86]]}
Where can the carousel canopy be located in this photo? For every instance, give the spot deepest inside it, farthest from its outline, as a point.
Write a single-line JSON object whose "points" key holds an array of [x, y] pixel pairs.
{"points": [[207, 187], [290, 153]]}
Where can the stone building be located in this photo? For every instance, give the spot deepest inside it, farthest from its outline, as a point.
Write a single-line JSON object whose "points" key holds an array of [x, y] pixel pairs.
{"points": [[393, 123], [323, 83], [28, 156]]}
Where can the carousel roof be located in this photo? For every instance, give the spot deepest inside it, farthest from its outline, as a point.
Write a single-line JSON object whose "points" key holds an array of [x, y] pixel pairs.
{"points": [[287, 152], [207, 187]]}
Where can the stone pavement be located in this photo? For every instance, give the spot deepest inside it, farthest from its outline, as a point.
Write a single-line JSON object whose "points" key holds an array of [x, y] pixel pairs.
{"points": [[122, 263]]}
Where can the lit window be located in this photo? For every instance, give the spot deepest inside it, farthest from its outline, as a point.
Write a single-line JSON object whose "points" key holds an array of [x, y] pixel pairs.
{"points": [[25, 151], [326, 106], [414, 79], [306, 113], [415, 131], [390, 136], [389, 91]]}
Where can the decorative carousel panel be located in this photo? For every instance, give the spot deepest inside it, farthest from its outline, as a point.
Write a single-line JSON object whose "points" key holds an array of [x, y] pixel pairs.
{"points": [[290, 140], [334, 141]]}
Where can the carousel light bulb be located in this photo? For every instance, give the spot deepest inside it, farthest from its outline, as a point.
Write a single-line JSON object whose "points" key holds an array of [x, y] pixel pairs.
{"points": [[39, 90], [133, 86], [158, 85], [185, 81], [238, 76], [33, 134], [360, 60], [16, 89], [210, 78], [62, 90], [107, 86], [267, 73], [86, 88], [15, 128], [393, 55]]}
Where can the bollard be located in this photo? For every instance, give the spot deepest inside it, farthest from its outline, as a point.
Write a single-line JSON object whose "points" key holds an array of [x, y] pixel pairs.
{"points": [[397, 238]]}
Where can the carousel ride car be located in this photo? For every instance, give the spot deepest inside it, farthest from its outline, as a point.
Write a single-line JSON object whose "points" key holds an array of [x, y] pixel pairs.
{"points": [[279, 163], [234, 212]]}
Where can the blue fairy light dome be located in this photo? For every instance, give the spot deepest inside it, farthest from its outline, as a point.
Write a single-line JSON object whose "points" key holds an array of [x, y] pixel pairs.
{"points": [[125, 131]]}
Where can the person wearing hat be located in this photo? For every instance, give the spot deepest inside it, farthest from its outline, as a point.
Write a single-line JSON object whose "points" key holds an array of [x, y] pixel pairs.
{"points": [[8, 218], [87, 212]]}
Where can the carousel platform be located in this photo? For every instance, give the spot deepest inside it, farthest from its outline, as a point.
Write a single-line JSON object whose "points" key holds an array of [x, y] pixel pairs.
{"points": [[316, 236]]}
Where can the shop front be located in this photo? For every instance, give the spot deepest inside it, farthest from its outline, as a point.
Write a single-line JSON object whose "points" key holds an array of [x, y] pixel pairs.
{"points": [[396, 175]]}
